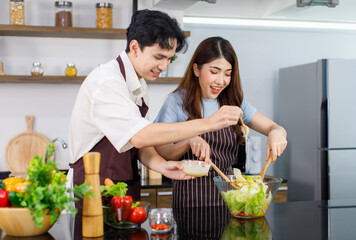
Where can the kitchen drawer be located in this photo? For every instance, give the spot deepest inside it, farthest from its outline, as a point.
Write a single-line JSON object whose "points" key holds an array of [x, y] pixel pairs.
{"points": [[149, 195], [281, 195], [164, 197]]}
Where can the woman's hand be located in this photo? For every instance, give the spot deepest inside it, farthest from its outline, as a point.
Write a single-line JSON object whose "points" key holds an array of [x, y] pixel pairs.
{"points": [[200, 148], [276, 144], [174, 170]]}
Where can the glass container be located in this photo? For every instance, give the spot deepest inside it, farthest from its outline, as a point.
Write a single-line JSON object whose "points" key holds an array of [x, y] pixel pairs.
{"points": [[71, 71], [17, 12], [104, 15], [36, 69], [161, 220], [63, 11]]}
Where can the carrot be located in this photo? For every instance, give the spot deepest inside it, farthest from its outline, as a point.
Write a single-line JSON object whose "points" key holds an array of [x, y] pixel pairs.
{"points": [[108, 182]]}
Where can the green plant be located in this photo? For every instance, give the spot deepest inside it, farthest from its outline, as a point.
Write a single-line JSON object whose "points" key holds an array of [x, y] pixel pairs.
{"points": [[48, 190]]}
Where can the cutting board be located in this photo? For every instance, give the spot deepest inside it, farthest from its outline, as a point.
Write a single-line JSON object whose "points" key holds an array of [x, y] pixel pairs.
{"points": [[23, 147]]}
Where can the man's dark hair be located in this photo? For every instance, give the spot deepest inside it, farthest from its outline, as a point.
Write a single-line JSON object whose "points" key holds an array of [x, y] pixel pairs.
{"points": [[149, 27]]}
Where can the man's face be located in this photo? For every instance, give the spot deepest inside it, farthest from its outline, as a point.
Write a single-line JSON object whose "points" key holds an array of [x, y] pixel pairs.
{"points": [[152, 60]]}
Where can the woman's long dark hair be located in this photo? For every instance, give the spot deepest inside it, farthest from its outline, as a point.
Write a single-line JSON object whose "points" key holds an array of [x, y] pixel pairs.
{"points": [[209, 50]]}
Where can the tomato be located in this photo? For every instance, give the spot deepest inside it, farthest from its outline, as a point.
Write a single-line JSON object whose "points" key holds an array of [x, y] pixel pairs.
{"points": [[241, 214], [4, 199], [137, 215], [160, 226]]}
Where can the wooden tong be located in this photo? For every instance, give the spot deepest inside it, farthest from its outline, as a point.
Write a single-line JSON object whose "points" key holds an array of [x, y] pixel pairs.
{"points": [[224, 176], [268, 162]]}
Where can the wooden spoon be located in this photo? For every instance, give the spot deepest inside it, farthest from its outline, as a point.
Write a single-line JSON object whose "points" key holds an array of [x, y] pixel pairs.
{"points": [[224, 176], [268, 162], [244, 129]]}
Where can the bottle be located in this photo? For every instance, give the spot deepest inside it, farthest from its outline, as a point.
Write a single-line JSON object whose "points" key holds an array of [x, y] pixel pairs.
{"points": [[36, 69], [93, 220], [17, 12], [71, 71], [104, 15], [63, 13]]}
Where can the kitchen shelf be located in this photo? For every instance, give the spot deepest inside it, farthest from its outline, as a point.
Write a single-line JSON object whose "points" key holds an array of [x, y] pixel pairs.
{"points": [[63, 79], [64, 32]]}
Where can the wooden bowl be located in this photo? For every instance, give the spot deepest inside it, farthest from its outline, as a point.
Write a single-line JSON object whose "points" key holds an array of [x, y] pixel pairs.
{"points": [[18, 222]]}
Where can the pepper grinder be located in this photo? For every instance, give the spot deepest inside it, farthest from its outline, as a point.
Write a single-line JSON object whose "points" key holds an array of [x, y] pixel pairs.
{"points": [[93, 223]]}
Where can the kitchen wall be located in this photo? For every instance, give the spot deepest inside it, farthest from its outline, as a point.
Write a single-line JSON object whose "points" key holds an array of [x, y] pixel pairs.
{"points": [[261, 52]]}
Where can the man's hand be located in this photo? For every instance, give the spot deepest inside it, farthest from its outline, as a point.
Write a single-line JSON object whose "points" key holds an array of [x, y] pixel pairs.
{"points": [[174, 170], [224, 117]]}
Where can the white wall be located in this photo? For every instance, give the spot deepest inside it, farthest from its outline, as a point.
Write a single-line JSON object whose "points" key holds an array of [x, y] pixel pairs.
{"points": [[261, 53]]}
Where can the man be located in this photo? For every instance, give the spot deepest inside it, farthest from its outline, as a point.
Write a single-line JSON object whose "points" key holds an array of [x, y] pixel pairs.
{"points": [[109, 113]]}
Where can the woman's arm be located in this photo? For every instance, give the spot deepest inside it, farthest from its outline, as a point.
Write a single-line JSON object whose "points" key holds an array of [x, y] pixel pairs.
{"points": [[276, 134], [199, 146]]}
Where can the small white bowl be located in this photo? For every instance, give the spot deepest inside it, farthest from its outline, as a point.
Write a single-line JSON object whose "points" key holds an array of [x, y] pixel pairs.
{"points": [[195, 168]]}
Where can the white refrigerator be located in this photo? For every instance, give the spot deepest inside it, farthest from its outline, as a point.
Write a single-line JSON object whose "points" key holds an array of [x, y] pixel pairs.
{"points": [[317, 106]]}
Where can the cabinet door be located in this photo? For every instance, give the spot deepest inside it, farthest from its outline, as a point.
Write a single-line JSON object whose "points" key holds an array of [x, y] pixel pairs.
{"points": [[164, 197], [149, 195]]}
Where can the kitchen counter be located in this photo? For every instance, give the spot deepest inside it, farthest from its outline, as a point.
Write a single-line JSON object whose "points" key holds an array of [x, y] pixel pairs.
{"points": [[291, 220]]}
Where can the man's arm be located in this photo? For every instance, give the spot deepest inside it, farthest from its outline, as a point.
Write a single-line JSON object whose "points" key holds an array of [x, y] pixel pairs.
{"points": [[162, 133], [171, 169]]}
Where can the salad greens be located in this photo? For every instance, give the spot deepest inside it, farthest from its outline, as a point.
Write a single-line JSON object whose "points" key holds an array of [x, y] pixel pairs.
{"points": [[251, 200], [118, 189], [48, 191]]}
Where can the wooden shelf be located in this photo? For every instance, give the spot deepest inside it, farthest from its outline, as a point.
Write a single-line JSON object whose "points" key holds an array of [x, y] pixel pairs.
{"points": [[64, 32], [63, 79]]}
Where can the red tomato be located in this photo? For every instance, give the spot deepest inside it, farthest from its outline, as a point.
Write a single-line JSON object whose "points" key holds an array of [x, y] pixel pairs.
{"points": [[137, 215], [4, 199], [241, 214]]}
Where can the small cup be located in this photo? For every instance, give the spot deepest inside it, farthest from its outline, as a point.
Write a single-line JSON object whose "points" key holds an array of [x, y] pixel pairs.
{"points": [[161, 220], [196, 168]]}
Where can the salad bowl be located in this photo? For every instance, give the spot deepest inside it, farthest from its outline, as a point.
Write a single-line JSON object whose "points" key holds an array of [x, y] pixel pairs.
{"points": [[253, 197]]}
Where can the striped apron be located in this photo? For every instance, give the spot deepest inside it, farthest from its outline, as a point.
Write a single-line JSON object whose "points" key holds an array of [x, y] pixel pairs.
{"points": [[202, 191]]}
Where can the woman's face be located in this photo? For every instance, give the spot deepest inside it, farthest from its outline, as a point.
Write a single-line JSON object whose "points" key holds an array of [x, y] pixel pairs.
{"points": [[213, 77]]}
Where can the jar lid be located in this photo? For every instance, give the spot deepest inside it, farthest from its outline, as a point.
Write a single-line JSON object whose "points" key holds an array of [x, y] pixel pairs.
{"points": [[106, 5], [63, 4], [36, 64], [71, 65]]}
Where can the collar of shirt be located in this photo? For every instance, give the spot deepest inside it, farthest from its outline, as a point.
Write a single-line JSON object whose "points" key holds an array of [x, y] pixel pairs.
{"points": [[134, 84]]}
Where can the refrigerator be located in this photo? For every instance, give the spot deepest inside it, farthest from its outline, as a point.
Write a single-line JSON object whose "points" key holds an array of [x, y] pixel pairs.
{"points": [[317, 107]]}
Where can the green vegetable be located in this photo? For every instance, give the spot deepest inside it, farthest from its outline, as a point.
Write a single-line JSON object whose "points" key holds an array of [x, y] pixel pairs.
{"points": [[48, 190], [250, 200], [15, 198], [2, 185], [119, 189]]}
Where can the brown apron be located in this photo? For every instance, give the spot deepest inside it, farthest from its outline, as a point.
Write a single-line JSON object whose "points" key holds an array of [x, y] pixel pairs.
{"points": [[201, 192], [119, 167]]}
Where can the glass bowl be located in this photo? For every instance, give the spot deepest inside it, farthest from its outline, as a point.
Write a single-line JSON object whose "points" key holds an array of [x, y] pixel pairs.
{"points": [[252, 199], [161, 220], [110, 217], [195, 168]]}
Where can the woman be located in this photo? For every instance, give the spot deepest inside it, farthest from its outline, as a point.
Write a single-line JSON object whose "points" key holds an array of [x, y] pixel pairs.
{"points": [[212, 80]]}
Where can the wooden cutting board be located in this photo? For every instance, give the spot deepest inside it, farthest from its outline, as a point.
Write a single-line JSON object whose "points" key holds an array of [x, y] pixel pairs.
{"points": [[23, 147]]}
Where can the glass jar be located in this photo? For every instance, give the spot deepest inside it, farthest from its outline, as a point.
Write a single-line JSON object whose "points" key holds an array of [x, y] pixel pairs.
{"points": [[71, 71], [63, 13], [104, 15], [161, 220], [36, 69], [17, 12]]}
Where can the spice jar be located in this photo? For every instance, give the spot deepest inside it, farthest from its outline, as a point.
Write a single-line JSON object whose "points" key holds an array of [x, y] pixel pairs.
{"points": [[71, 71], [104, 15], [63, 13], [36, 69], [17, 12]]}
